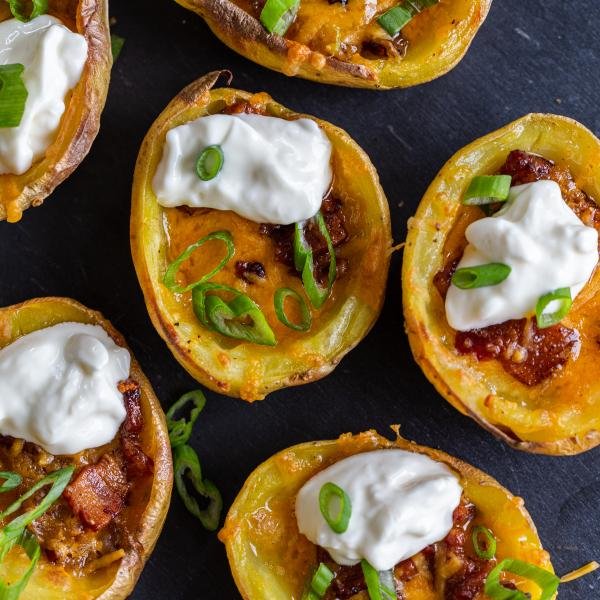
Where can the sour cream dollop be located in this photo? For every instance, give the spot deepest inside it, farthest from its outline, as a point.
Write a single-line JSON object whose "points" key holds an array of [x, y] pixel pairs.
{"points": [[401, 502], [58, 388], [543, 241], [53, 57], [274, 170]]}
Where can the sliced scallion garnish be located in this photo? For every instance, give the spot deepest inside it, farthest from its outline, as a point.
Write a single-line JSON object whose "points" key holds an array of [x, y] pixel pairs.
{"points": [[210, 162], [379, 585], [337, 517], [11, 481], [398, 17], [487, 550], [561, 299], [546, 581], [13, 95], [468, 278], [277, 15], [180, 430], [487, 189], [320, 582], [116, 45], [280, 297], [17, 8], [31, 546]]}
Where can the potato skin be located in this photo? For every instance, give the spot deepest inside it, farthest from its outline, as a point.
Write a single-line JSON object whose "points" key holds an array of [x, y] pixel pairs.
{"points": [[558, 416], [110, 583], [249, 371], [434, 56], [81, 120], [267, 552]]}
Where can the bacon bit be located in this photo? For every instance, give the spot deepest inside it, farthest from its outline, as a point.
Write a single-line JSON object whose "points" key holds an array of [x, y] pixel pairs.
{"points": [[243, 107], [98, 492], [132, 394], [385, 48], [524, 167], [250, 272], [442, 279], [137, 463]]}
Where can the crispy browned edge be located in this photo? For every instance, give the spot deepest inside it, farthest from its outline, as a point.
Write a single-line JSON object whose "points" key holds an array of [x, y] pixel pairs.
{"points": [[155, 513], [92, 22]]}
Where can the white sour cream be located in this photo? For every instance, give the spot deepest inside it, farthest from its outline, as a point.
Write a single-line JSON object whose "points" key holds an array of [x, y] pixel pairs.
{"points": [[58, 388], [541, 239], [274, 170], [53, 57], [401, 502]]}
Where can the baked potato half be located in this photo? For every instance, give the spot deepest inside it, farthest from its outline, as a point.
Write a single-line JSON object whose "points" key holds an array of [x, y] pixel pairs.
{"points": [[557, 412], [83, 106], [111, 570], [159, 235], [269, 558], [342, 43]]}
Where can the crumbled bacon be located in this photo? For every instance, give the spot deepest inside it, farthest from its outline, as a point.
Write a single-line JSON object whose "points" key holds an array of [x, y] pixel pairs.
{"points": [[137, 463], [250, 272], [131, 396], [385, 48]]}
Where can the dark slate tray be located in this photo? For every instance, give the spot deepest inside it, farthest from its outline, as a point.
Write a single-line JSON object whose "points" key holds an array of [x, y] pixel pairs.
{"points": [[538, 55]]}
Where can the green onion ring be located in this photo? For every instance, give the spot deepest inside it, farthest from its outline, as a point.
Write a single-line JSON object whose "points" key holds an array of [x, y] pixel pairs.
{"points": [[488, 551], [565, 301], [116, 45], [210, 162], [17, 8], [338, 523], [277, 15], [320, 582], [399, 16], [31, 546], [280, 297], [547, 582], [479, 276], [11, 481], [169, 277], [180, 430], [487, 189], [380, 585], [13, 95]]}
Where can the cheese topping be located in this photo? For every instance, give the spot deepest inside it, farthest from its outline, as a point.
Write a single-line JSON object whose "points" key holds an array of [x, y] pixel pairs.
{"points": [[58, 388], [541, 239], [401, 502], [53, 57], [274, 170]]}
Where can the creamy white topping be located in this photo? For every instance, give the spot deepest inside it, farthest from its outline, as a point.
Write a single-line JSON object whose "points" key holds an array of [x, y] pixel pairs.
{"points": [[58, 388], [274, 170], [401, 502], [541, 239], [53, 57]]}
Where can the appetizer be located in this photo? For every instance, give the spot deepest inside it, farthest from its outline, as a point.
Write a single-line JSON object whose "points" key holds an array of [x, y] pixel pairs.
{"points": [[54, 71], [85, 459], [384, 44], [261, 239], [363, 517], [500, 284]]}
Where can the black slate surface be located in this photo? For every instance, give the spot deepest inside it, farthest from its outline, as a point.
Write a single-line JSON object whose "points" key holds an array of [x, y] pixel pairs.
{"points": [[533, 55]]}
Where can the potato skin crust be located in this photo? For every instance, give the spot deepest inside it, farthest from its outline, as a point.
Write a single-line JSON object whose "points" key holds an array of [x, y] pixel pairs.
{"points": [[249, 371], [435, 56], [556, 417], [110, 583], [267, 552], [81, 120]]}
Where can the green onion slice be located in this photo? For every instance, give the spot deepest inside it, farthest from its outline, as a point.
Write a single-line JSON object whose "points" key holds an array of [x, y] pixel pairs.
{"points": [[116, 45], [17, 8], [31, 546], [11, 481], [280, 297], [380, 585], [486, 551], [13, 95], [398, 17], [328, 493], [320, 583], [277, 15], [487, 189], [210, 162], [547, 582], [169, 279], [186, 465], [560, 298], [180, 430], [469, 278]]}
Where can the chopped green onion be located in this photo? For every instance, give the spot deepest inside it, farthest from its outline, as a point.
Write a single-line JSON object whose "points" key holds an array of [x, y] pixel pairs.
{"points": [[186, 462], [278, 15], [210, 162], [547, 582], [398, 17], [13, 95], [116, 45], [329, 492], [17, 8], [487, 189], [320, 583], [31, 546], [469, 278], [380, 585], [562, 298], [280, 296], [488, 550], [11, 481], [180, 430], [169, 279]]}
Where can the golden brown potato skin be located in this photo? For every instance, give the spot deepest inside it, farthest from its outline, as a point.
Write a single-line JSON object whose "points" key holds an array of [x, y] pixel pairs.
{"points": [[560, 415], [267, 552], [432, 54], [81, 120], [247, 370], [116, 581]]}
